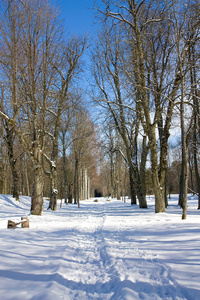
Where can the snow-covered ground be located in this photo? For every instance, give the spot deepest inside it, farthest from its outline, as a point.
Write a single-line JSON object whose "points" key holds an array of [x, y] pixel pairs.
{"points": [[103, 250]]}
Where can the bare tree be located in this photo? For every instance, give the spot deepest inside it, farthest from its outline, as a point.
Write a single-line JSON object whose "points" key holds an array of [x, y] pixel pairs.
{"points": [[154, 80], [38, 40], [115, 99], [67, 68], [193, 59], [185, 39], [83, 136], [65, 142], [10, 61], [41, 36]]}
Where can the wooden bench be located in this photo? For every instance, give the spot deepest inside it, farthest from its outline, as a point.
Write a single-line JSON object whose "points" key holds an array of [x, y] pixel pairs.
{"points": [[24, 223]]}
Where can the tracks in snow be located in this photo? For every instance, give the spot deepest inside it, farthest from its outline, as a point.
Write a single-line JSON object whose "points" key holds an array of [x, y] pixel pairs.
{"points": [[109, 267], [100, 256], [95, 274]]}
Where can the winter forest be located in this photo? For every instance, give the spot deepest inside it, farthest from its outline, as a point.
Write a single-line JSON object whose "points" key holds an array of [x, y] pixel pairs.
{"points": [[100, 152], [134, 127]]}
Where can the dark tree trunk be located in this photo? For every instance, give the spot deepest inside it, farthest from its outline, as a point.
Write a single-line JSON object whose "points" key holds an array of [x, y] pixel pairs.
{"points": [[139, 191], [70, 193], [184, 152], [37, 193], [65, 177], [180, 201], [76, 181], [53, 186], [15, 183], [143, 163], [9, 139], [196, 169], [132, 188], [166, 190]]}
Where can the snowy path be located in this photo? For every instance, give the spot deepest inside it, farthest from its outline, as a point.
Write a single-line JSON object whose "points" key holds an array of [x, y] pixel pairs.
{"points": [[101, 251]]}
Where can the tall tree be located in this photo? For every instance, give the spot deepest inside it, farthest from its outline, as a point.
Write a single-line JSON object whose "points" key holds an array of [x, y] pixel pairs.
{"points": [[193, 59], [67, 68], [114, 98], [10, 33], [153, 79], [39, 37], [184, 40], [83, 133]]}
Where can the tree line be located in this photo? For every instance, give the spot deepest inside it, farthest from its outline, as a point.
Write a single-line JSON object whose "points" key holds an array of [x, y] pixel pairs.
{"points": [[144, 80], [42, 106], [146, 75]]}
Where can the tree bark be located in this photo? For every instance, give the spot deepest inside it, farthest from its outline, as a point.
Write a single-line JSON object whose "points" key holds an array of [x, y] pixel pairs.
{"points": [[53, 187], [70, 193], [37, 193], [184, 149], [195, 152], [76, 181], [132, 188], [65, 180], [9, 138]]}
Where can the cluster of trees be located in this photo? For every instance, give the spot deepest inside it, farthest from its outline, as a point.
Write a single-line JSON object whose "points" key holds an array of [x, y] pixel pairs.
{"points": [[144, 80], [146, 73], [42, 111]]}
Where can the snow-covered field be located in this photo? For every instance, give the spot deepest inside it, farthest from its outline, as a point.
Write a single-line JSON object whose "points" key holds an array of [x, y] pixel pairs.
{"points": [[103, 250]]}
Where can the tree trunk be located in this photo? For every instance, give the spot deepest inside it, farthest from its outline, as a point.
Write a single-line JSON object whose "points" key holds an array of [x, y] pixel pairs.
{"points": [[149, 128], [65, 180], [118, 188], [88, 187], [196, 114], [85, 183], [196, 162], [184, 152], [53, 186], [143, 163], [26, 177], [70, 193], [15, 183], [197, 178], [158, 190], [37, 193], [190, 166], [133, 165], [139, 191], [4, 179], [76, 181], [181, 187], [166, 190], [9, 139], [132, 188]]}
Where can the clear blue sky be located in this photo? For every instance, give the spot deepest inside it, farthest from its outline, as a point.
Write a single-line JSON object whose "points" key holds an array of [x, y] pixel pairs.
{"points": [[78, 14]]}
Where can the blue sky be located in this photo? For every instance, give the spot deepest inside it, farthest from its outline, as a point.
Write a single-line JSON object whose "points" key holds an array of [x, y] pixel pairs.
{"points": [[79, 17]]}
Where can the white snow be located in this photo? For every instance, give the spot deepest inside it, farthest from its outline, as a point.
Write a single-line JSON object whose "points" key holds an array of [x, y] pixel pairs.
{"points": [[102, 250]]}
